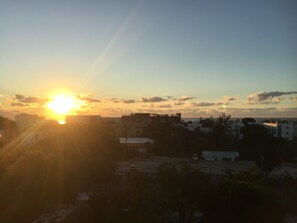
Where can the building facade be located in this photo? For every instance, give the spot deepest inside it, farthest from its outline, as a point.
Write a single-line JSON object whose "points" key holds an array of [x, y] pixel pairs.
{"points": [[280, 130], [25, 120], [134, 125]]}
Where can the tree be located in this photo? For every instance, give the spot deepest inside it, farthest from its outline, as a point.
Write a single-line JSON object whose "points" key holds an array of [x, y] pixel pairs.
{"points": [[182, 192], [242, 201], [254, 134], [221, 134]]}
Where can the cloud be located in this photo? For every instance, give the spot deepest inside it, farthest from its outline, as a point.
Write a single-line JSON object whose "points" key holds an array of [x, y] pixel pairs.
{"points": [[202, 104], [228, 99], [30, 100], [113, 109], [164, 106], [179, 103], [125, 101], [185, 98], [273, 97], [128, 101], [224, 101], [90, 100], [153, 99], [18, 104], [115, 100], [19, 96]]}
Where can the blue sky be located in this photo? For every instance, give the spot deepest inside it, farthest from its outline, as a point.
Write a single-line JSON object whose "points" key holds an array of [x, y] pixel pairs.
{"points": [[134, 49]]}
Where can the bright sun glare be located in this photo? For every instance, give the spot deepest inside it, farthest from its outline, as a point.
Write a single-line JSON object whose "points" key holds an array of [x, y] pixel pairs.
{"points": [[62, 104]]}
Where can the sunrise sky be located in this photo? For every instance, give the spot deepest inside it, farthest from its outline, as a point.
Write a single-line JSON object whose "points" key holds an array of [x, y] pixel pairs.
{"points": [[199, 57]]}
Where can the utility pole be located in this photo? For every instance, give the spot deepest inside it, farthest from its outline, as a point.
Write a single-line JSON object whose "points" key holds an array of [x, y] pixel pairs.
{"points": [[262, 165]]}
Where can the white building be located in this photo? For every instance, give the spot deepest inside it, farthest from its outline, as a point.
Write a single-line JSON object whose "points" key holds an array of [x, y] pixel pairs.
{"points": [[199, 126], [235, 128], [220, 155], [138, 144], [280, 130]]}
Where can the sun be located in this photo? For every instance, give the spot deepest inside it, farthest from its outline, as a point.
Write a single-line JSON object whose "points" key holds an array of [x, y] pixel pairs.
{"points": [[62, 104]]}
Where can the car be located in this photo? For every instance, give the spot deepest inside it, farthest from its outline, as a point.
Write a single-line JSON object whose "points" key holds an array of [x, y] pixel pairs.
{"points": [[195, 157]]}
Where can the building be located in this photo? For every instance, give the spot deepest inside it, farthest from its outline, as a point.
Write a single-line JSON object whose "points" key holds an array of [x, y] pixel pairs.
{"points": [[198, 126], [90, 120], [138, 145], [280, 130], [235, 126], [82, 119], [151, 118], [134, 125], [25, 120], [220, 155]]}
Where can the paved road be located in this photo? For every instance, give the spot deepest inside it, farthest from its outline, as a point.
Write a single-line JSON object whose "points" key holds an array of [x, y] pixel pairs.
{"points": [[150, 165]]}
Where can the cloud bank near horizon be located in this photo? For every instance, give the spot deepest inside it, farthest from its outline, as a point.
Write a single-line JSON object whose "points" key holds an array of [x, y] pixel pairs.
{"points": [[255, 104]]}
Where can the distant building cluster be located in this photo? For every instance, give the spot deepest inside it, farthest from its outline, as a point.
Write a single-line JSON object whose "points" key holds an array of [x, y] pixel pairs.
{"points": [[131, 130], [25, 120], [278, 129], [135, 124]]}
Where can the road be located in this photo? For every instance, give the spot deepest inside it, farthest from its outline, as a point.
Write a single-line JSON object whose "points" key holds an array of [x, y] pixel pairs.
{"points": [[150, 165]]}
